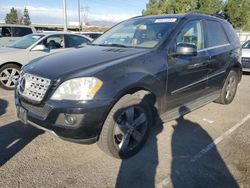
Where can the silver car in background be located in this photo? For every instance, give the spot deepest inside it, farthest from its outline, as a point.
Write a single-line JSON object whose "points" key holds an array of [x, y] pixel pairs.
{"points": [[246, 56], [32, 46], [9, 33]]}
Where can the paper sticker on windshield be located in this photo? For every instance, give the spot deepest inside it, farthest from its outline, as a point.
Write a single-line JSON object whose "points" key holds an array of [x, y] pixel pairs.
{"points": [[165, 20]]}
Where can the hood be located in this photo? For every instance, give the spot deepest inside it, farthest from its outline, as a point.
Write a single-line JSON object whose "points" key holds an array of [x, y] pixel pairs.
{"points": [[56, 65], [245, 53], [9, 51]]}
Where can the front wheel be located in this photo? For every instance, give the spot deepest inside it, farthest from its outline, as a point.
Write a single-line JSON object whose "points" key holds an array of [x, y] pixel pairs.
{"points": [[126, 127], [229, 89], [9, 74]]}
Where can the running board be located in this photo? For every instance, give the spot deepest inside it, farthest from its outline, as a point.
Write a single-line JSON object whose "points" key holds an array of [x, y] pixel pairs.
{"points": [[186, 108]]}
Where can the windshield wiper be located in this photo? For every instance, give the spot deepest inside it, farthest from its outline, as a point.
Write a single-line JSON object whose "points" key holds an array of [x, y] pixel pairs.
{"points": [[117, 45], [112, 44]]}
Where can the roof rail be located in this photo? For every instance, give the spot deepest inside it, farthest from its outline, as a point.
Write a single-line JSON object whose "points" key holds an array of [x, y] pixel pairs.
{"points": [[218, 14]]}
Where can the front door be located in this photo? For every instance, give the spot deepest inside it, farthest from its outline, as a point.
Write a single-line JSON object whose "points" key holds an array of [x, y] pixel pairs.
{"points": [[54, 44], [187, 75]]}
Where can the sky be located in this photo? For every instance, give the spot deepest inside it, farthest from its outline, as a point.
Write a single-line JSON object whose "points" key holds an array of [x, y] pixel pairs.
{"points": [[93, 11]]}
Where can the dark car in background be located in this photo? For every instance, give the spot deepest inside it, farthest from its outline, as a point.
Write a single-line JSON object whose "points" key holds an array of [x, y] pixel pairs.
{"points": [[146, 67]]}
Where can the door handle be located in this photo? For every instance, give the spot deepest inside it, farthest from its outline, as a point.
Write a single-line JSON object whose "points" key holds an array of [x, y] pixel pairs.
{"points": [[197, 65]]}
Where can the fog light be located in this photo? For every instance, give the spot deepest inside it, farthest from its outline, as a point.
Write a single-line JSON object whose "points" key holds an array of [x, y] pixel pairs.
{"points": [[70, 119]]}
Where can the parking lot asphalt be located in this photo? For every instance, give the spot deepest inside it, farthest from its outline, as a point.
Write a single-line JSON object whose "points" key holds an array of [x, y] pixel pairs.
{"points": [[207, 148]]}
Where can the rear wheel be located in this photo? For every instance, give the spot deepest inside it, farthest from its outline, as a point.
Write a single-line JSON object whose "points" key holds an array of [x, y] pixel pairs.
{"points": [[229, 89], [126, 127], [9, 74]]}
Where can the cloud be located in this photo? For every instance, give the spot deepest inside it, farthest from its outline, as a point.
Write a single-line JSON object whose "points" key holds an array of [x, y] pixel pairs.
{"points": [[52, 14]]}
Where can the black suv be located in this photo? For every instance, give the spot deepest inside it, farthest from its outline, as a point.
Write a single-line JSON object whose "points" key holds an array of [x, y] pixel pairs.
{"points": [[109, 91]]}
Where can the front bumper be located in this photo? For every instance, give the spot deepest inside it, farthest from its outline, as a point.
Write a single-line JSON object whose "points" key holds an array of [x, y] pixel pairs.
{"points": [[245, 64], [50, 116]]}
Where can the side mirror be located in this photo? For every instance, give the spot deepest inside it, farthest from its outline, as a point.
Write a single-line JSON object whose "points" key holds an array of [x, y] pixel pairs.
{"points": [[185, 49], [40, 47]]}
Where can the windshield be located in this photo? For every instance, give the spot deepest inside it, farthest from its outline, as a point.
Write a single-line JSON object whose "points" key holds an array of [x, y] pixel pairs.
{"points": [[26, 41], [246, 45], [139, 32]]}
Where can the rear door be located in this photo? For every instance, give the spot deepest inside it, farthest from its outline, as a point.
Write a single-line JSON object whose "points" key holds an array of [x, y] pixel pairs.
{"points": [[187, 75], [218, 46]]}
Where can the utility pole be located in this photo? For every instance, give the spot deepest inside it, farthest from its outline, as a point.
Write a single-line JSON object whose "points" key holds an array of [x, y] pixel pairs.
{"points": [[65, 15], [79, 15]]}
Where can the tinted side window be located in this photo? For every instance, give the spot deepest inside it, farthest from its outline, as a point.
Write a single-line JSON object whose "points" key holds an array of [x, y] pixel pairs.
{"points": [[21, 31], [215, 34], [5, 31], [192, 34], [75, 41]]}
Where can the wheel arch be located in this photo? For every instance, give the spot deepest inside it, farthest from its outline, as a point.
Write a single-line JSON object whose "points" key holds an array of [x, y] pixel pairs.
{"points": [[141, 91], [237, 67], [11, 62]]}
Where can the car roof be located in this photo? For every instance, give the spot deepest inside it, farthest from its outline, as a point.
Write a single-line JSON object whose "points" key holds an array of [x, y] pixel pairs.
{"points": [[90, 32], [60, 33], [16, 25], [180, 16]]}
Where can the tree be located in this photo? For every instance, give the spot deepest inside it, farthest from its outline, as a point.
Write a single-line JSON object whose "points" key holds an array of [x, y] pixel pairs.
{"points": [[26, 17], [209, 6], [11, 18], [238, 13], [152, 7], [182, 6]]}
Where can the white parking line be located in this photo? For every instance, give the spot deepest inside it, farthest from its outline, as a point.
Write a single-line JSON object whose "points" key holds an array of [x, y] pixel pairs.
{"points": [[210, 146], [208, 120]]}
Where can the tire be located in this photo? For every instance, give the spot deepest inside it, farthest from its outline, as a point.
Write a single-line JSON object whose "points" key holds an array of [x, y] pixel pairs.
{"points": [[121, 139], [229, 88], [9, 74]]}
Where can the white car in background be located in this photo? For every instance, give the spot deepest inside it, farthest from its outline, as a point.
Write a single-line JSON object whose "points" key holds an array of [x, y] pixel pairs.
{"points": [[246, 56], [32, 46], [9, 33]]}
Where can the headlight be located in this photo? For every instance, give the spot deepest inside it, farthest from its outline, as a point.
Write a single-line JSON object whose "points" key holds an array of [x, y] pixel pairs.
{"points": [[78, 89]]}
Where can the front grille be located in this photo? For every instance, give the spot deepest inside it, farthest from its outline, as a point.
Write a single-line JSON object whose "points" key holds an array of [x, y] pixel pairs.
{"points": [[245, 59], [42, 111], [33, 87]]}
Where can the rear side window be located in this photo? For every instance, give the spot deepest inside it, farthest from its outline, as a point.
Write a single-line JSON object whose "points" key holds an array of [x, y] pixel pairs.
{"points": [[21, 31], [216, 35], [5, 31]]}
